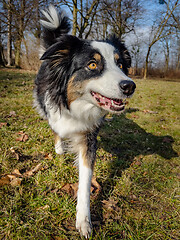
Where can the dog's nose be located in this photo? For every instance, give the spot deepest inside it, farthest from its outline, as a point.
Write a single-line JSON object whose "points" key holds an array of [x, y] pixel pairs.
{"points": [[127, 87]]}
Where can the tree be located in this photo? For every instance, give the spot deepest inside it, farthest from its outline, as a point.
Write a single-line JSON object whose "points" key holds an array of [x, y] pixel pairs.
{"points": [[83, 13], [122, 15], [9, 40], [2, 60], [166, 49], [160, 31], [17, 15]]}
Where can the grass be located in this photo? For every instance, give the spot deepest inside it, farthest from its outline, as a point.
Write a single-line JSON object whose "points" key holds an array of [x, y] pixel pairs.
{"points": [[137, 167]]}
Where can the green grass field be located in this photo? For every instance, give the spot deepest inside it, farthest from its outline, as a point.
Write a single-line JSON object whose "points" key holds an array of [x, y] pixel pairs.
{"points": [[137, 167]]}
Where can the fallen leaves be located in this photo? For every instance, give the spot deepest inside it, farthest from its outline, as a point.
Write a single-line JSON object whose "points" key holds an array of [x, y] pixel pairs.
{"points": [[15, 178], [12, 114], [110, 204], [149, 111], [134, 116], [95, 187], [4, 124], [112, 210], [34, 170], [23, 137], [72, 188], [16, 153], [45, 207], [144, 111]]}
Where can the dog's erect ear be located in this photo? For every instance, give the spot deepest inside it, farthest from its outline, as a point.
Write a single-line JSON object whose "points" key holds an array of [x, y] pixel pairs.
{"points": [[65, 46], [117, 43], [50, 51], [127, 57]]}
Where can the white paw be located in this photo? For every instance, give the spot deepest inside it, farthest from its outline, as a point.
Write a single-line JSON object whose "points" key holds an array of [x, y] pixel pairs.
{"points": [[59, 148], [84, 226]]}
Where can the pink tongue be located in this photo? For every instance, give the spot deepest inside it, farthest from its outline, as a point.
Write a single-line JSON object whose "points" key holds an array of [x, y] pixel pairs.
{"points": [[106, 101]]}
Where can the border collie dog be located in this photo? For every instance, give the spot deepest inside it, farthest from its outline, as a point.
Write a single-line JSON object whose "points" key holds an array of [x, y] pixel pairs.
{"points": [[78, 82]]}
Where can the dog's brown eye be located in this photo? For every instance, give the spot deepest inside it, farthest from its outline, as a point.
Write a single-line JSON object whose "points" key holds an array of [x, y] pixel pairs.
{"points": [[120, 66], [92, 66]]}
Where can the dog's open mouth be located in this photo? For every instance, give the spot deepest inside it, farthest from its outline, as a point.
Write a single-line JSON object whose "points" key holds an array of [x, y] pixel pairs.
{"points": [[110, 104]]}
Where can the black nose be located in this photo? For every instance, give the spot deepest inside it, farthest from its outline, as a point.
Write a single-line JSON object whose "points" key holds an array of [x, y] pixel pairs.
{"points": [[127, 87]]}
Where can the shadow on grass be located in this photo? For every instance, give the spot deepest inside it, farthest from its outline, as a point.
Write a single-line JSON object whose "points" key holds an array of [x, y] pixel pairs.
{"points": [[126, 140]]}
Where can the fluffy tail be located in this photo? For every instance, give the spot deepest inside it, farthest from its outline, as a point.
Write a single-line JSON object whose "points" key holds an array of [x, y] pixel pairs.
{"points": [[54, 25]]}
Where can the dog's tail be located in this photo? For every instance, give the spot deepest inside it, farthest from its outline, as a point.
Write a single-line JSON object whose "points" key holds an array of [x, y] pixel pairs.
{"points": [[54, 25]]}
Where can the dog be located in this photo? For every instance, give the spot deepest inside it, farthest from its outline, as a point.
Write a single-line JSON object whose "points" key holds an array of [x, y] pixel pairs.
{"points": [[78, 83]]}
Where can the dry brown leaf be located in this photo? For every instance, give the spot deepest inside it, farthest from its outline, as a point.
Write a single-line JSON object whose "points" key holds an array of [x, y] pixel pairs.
{"points": [[48, 156], [23, 137], [17, 173], [71, 189], [16, 182], [15, 178], [134, 116], [12, 114], [149, 111], [136, 163], [3, 124], [4, 180], [95, 187], [12, 179], [16, 153], [32, 171], [43, 207], [112, 210], [110, 204]]}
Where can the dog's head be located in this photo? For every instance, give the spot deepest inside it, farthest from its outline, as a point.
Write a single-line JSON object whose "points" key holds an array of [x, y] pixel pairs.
{"points": [[92, 72]]}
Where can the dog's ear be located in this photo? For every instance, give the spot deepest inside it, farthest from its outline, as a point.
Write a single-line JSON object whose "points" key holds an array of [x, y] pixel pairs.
{"points": [[118, 44], [50, 51], [127, 57], [58, 60], [61, 50]]}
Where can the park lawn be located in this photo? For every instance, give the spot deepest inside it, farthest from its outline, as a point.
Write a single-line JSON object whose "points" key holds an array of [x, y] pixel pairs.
{"points": [[137, 168]]}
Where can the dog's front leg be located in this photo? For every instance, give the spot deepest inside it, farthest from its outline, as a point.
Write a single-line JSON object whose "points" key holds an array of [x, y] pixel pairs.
{"points": [[87, 153], [58, 144]]}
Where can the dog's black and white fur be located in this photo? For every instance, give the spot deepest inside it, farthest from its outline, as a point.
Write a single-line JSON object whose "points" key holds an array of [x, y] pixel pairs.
{"points": [[79, 81]]}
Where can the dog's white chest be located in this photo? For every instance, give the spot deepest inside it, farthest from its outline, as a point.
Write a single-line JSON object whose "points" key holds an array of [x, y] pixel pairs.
{"points": [[78, 119]]}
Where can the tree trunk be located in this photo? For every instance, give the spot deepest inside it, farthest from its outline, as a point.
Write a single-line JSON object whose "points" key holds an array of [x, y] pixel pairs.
{"points": [[159, 34], [9, 41], [146, 63], [20, 35], [178, 63], [120, 18], [2, 60], [167, 56], [17, 53], [74, 30]]}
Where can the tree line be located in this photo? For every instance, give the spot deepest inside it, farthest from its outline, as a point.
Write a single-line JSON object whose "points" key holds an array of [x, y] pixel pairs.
{"points": [[96, 19]]}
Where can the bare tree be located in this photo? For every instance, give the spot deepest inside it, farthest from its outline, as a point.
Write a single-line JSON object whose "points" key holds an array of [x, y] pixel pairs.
{"points": [[2, 60], [122, 15], [17, 16], [83, 13], [161, 31], [166, 50], [75, 12], [9, 40]]}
